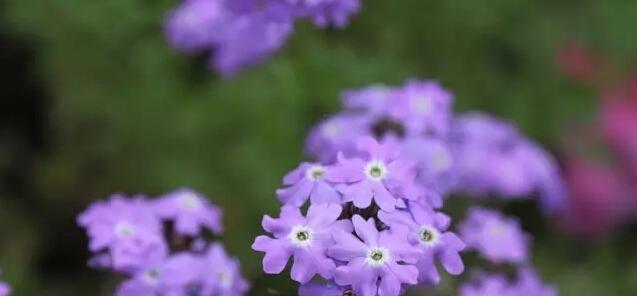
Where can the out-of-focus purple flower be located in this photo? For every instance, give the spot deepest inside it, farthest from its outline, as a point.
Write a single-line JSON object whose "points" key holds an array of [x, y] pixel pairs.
{"points": [[337, 134], [497, 238], [125, 228], [490, 285], [527, 283], [305, 239], [427, 230], [379, 175], [373, 100], [212, 273], [530, 284], [434, 162], [378, 263], [222, 274], [118, 219], [492, 157], [170, 275], [197, 24], [308, 181], [130, 255], [190, 211], [423, 107], [249, 38], [326, 12], [240, 33]]}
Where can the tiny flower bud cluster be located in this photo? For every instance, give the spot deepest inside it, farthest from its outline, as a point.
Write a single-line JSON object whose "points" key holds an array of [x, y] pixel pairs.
{"points": [[162, 245], [240, 33]]}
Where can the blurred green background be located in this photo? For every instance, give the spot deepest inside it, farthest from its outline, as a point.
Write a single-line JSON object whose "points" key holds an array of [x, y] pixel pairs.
{"points": [[93, 101]]}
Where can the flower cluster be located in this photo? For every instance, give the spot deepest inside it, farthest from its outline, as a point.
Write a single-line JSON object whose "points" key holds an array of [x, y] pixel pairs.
{"points": [[472, 153], [240, 33], [370, 227], [373, 225], [500, 240], [162, 245], [497, 238]]}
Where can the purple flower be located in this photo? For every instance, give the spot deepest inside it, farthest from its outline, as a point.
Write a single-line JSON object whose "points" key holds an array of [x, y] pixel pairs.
{"points": [[490, 285], [526, 284], [434, 162], [335, 12], [379, 175], [376, 255], [336, 134], [126, 228], [328, 289], [222, 274], [423, 107], [373, 100], [197, 24], [308, 181], [177, 275], [529, 284], [190, 211], [427, 230], [213, 273], [130, 255], [251, 37], [5, 289], [497, 238], [493, 157], [305, 239], [127, 237]]}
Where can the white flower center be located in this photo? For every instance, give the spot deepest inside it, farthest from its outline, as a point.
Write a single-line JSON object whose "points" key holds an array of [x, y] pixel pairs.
{"points": [[376, 170], [331, 130], [124, 229], [428, 236], [315, 173], [495, 229], [421, 104], [189, 201], [441, 160], [377, 256], [300, 236]]}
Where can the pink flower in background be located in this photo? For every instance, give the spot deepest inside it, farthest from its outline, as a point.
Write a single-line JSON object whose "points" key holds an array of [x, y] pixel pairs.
{"points": [[603, 191], [595, 189]]}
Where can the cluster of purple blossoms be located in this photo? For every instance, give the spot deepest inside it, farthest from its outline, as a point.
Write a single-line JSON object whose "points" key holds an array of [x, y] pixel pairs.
{"points": [[496, 238], [370, 228], [239, 33], [500, 240], [472, 154], [163, 245], [381, 170]]}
